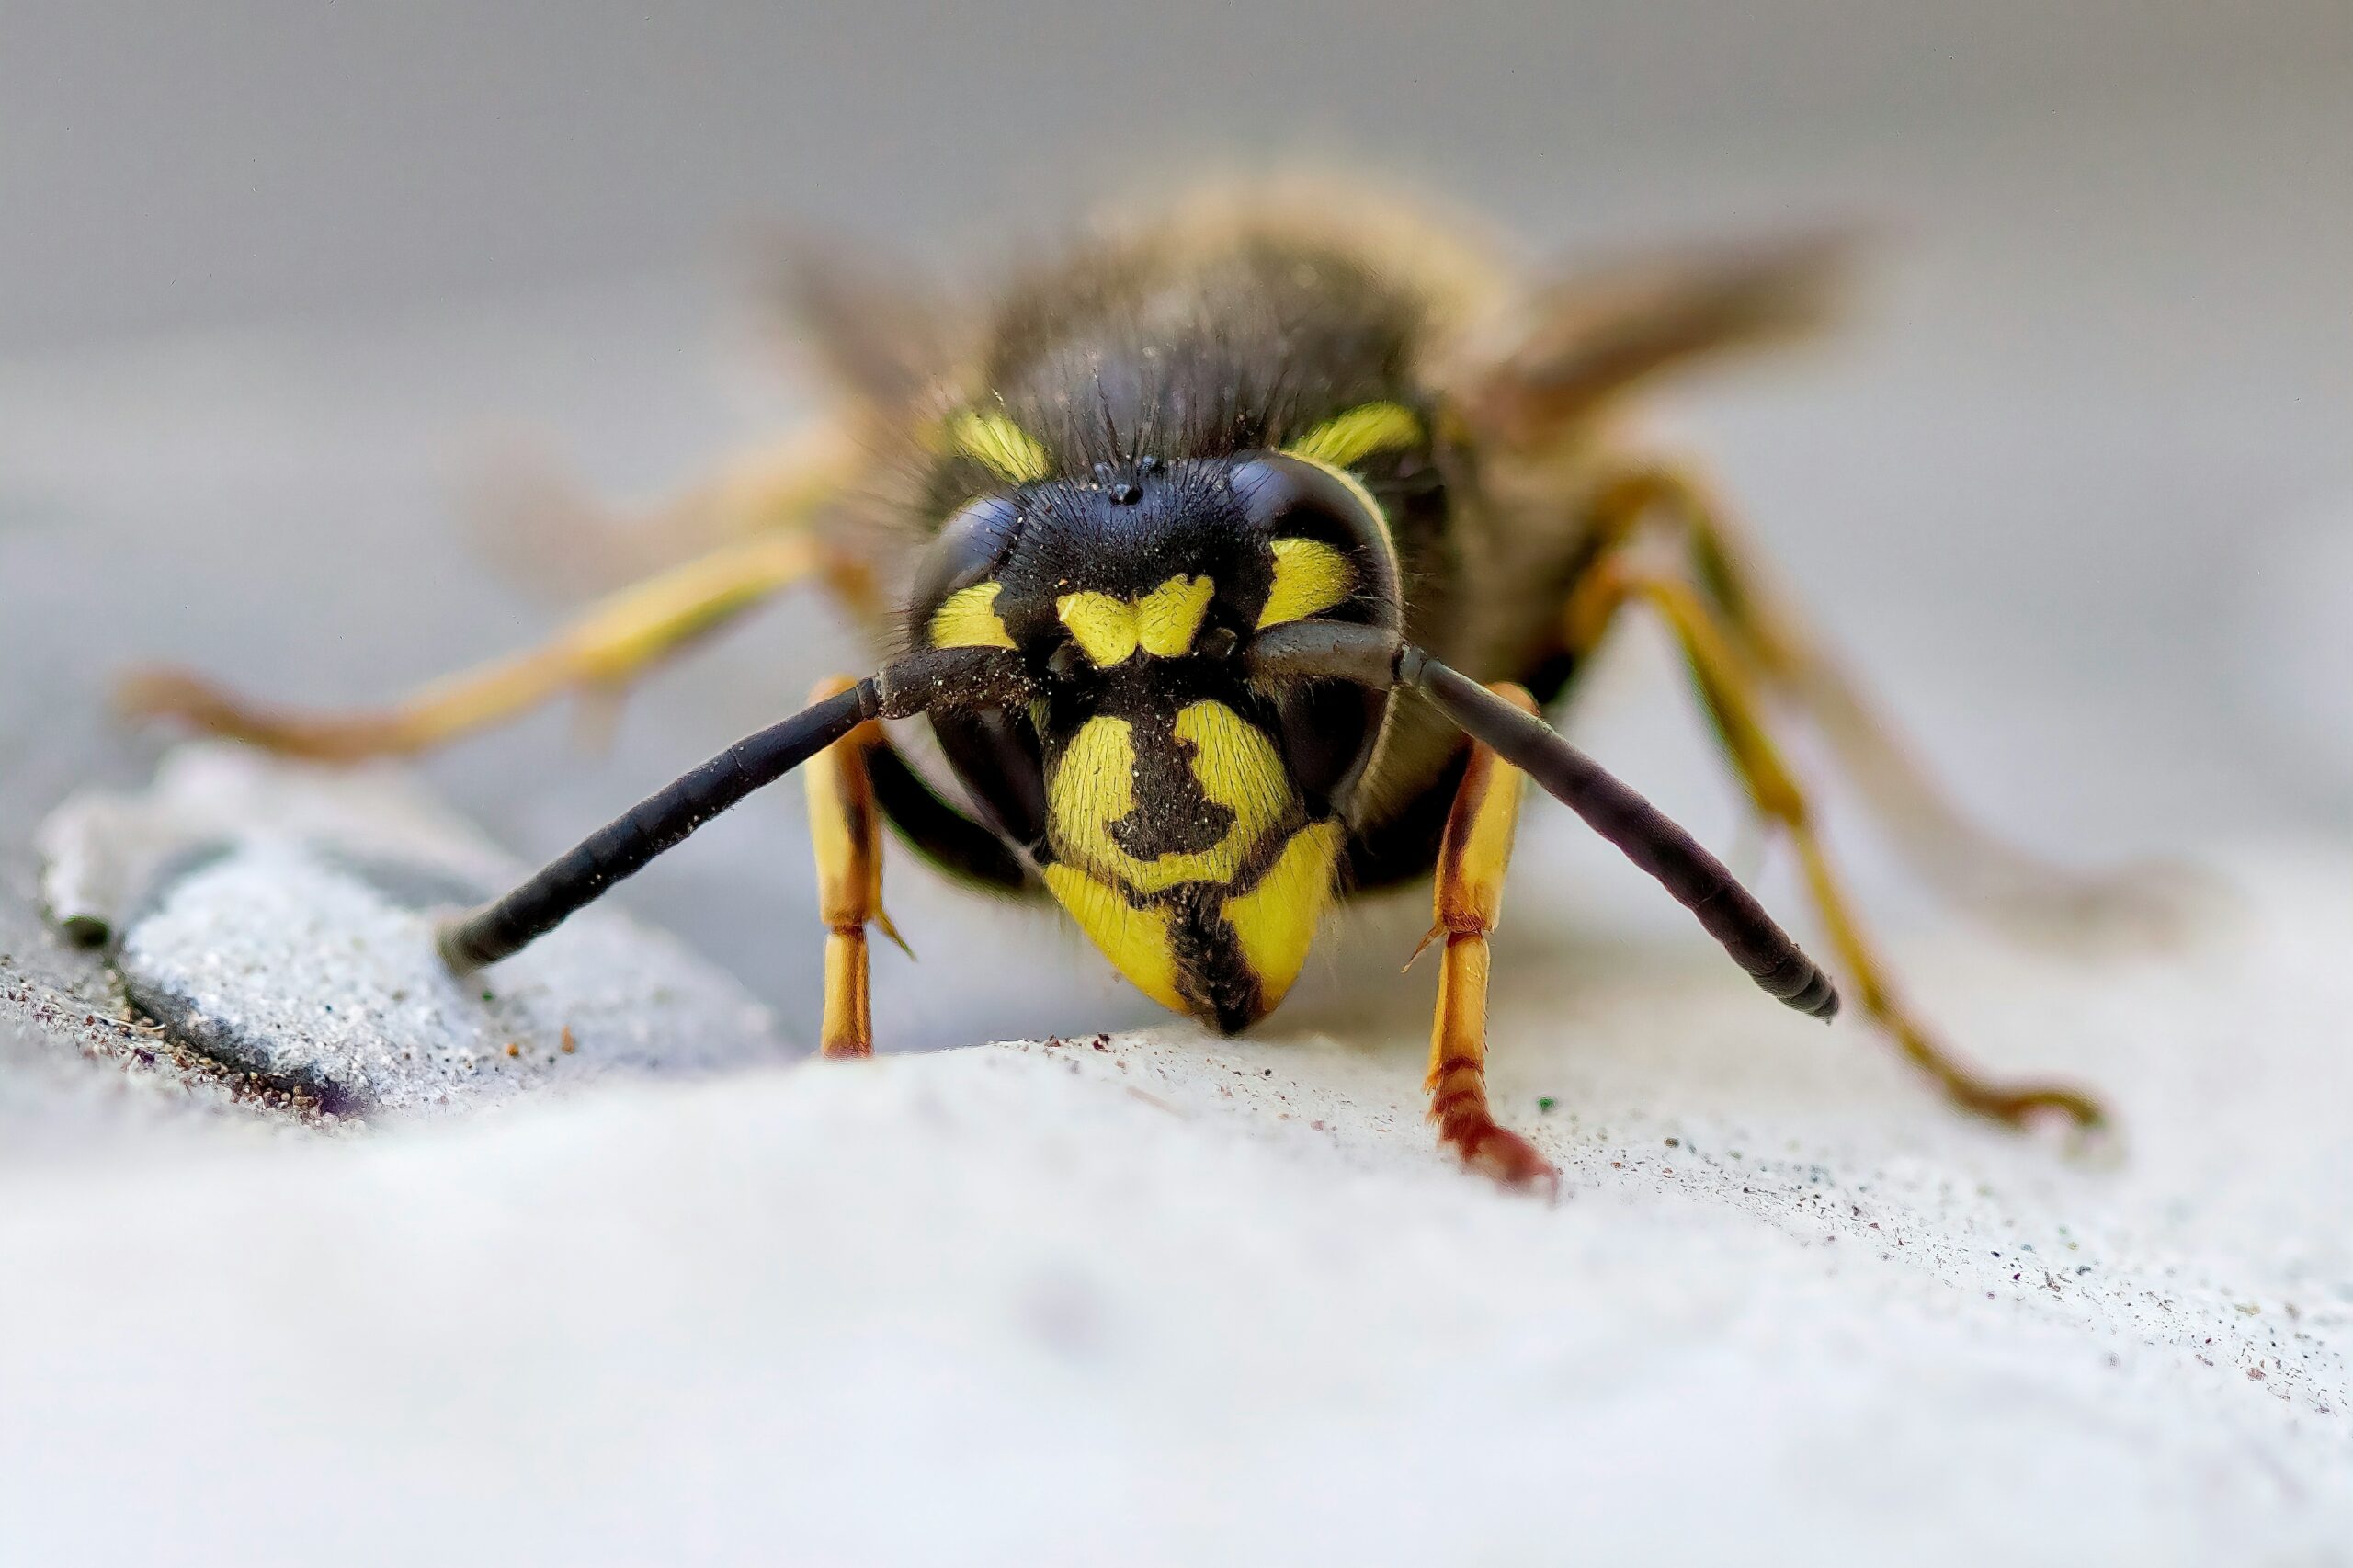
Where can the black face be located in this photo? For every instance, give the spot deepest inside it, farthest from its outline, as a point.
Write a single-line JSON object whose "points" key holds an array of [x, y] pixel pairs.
{"points": [[1150, 780]]}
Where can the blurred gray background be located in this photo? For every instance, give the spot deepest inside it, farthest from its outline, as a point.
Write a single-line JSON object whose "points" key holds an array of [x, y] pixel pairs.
{"points": [[276, 279], [169, 166]]}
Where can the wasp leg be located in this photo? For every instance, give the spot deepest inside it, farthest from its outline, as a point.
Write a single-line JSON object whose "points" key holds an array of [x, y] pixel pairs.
{"points": [[609, 644], [542, 530], [1466, 906], [1728, 684], [846, 827], [1754, 616]]}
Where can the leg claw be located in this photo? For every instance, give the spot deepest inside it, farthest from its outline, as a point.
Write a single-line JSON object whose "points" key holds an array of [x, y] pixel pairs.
{"points": [[1501, 1154]]}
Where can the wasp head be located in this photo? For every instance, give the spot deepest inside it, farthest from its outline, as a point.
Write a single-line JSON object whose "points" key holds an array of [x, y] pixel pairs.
{"points": [[1189, 818]]}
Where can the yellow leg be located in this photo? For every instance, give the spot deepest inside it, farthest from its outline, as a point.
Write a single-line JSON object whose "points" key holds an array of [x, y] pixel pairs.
{"points": [[599, 653], [1728, 687], [545, 532], [1756, 618], [846, 828], [1466, 905]]}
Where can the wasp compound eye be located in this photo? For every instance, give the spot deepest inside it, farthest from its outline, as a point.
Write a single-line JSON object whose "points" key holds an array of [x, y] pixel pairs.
{"points": [[969, 548], [1332, 553]]}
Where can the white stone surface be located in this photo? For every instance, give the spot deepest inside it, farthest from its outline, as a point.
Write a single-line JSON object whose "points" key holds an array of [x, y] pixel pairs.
{"points": [[1171, 1300]]}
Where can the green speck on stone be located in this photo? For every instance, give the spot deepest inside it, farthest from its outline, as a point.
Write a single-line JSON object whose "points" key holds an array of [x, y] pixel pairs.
{"points": [[1545, 1103], [489, 996]]}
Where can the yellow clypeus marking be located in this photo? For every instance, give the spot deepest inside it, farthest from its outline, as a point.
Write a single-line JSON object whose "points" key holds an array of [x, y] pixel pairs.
{"points": [[1274, 922], [1163, 623], [1169, 617], [1135, 940], [968, 618], [999, 444], [1239, 768], [1310, 578], [1094, 787], [1350, 437]]}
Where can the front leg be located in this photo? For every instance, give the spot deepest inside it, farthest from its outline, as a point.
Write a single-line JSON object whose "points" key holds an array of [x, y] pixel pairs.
{"points": [[1467, 904], [846, 828]]}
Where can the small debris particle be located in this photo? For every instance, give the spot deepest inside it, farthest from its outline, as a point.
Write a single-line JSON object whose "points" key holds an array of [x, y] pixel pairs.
{"points": [[513, 1049], [490, 995], [1545, 1104], [570, 1045], [1675, 1142]]}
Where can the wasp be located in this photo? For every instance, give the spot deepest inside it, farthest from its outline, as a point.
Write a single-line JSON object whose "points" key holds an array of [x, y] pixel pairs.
{"points": [[1230, 558]]}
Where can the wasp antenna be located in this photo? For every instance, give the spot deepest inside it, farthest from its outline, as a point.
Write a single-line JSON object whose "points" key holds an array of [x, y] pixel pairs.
{"points": [[1696, 879], [935, 679], [1326, 650]]}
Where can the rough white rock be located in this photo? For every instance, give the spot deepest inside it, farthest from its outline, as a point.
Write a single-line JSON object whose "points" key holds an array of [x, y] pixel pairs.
{"points": [[279, 918]]}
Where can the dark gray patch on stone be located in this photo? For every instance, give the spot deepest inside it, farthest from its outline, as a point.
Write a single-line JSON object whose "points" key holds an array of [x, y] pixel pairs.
{"points": [[165, 874], [406, 885]]}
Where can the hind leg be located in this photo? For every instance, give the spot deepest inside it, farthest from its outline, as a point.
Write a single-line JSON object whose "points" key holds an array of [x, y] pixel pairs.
{"points": [[599, 653], [1728, 682], [1755, 620]]}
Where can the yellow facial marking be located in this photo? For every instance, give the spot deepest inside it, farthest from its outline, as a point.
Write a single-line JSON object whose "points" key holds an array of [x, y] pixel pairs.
{"points": [[1350, 437], [1094, 787], [1103, 628], [1274, 922], [1168, 617], [1135, 940], [968, 618], [1310, 578], [999, 444], [1163, 623]]}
